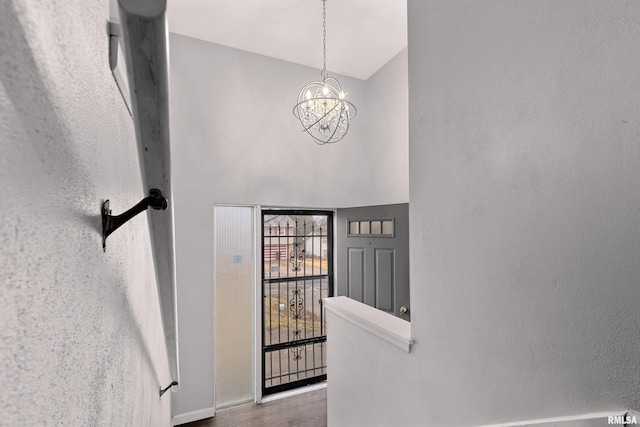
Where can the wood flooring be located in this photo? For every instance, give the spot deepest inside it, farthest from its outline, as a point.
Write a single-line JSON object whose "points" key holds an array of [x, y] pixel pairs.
{"points": [[302, 410]]}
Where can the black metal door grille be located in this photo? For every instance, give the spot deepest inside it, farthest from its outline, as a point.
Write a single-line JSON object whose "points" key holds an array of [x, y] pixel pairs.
{"points": [[297, 272]]}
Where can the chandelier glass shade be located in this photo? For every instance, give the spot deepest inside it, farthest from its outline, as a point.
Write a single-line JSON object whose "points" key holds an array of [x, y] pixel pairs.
{"points": [[322, 109]]}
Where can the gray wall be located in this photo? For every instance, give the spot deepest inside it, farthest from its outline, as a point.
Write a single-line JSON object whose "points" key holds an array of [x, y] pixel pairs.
{"points": [[81, 340], [525, 208], [236, 141]]}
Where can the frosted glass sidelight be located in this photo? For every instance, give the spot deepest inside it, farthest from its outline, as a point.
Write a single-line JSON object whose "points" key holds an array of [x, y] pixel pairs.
{"points": [[233, 309]]}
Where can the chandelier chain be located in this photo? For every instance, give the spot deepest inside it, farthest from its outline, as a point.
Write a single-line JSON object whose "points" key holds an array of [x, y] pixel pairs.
{"points": [[324, 40]]}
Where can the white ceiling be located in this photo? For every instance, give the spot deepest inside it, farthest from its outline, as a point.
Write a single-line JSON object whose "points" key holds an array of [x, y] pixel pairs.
{"points": [[362, 35]]}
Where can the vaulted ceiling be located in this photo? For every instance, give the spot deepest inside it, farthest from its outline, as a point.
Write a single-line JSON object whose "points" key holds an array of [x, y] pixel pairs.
{"points": [[362, 35]]}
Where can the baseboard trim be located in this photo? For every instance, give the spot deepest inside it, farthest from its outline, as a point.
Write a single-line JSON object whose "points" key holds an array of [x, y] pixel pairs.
{"points": [[294, 392], [568, 419], [188, 417]]}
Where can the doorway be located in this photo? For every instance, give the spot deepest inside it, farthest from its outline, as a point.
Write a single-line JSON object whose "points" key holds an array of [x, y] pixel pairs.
{"points": [[373, 256], [297, 273]]}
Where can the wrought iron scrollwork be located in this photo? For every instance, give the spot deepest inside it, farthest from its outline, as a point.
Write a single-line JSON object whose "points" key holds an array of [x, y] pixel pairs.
{"points": [[297, 256], [297, 352], [296, 304]]}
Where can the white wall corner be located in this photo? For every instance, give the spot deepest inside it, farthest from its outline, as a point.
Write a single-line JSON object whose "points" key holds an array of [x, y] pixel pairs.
{"points": [[188, 417]]}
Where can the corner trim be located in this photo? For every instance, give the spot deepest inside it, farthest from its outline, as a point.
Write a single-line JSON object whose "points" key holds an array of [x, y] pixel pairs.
{"points": [[381, 324], [188, 417]]}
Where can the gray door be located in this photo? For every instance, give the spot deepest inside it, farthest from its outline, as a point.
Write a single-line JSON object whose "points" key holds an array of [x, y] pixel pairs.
{"points": [[373, 256]]}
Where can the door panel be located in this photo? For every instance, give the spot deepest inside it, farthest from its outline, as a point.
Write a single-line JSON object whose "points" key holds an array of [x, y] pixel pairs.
{"points": [[372, 244], [356, 273], [384, 278]]}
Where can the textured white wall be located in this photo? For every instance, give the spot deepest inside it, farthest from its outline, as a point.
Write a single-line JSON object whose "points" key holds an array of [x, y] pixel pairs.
{"points": [[369, 379], [525, 207], [81, 340], [524, 218], [236, 141], [387, 133], [237, 138]]}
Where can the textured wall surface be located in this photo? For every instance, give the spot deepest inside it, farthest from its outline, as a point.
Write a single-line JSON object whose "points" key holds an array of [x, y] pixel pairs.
{"points": [[387, 133], [361, 368], [81, 341], [524, 220], [525, 207], [236, 141]]}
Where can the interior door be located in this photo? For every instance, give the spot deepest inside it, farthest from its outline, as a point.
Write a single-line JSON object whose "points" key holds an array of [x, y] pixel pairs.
{"points": [[373, 256]]}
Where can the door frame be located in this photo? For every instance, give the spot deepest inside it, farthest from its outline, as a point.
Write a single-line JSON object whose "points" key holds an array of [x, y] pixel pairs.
{"points": [[258, 283], [257, 307]]}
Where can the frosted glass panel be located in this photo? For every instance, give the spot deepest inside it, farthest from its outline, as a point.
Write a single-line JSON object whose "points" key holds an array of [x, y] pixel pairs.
{"points": [[233, 285], [364, 227], [376, 227]]}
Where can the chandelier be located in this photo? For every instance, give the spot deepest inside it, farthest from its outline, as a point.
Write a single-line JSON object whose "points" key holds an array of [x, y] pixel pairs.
{"points": [[322, 109]]}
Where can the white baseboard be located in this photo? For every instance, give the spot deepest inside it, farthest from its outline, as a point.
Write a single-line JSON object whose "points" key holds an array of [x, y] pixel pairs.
{"points": [[595, 419], [200, 414]]}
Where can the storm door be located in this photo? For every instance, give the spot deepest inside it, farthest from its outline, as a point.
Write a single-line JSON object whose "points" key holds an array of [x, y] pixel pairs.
{"points": [[297, 272]]}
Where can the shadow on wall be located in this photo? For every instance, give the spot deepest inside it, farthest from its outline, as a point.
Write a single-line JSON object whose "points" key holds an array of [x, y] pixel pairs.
{"points": [[29, 94]]}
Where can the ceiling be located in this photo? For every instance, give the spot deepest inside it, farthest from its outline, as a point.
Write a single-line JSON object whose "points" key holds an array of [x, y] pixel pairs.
{"points": [[362, 35]]}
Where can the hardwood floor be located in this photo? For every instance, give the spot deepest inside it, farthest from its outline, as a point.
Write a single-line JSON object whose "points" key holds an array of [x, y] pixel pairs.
{"points": [[302, 410]]}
